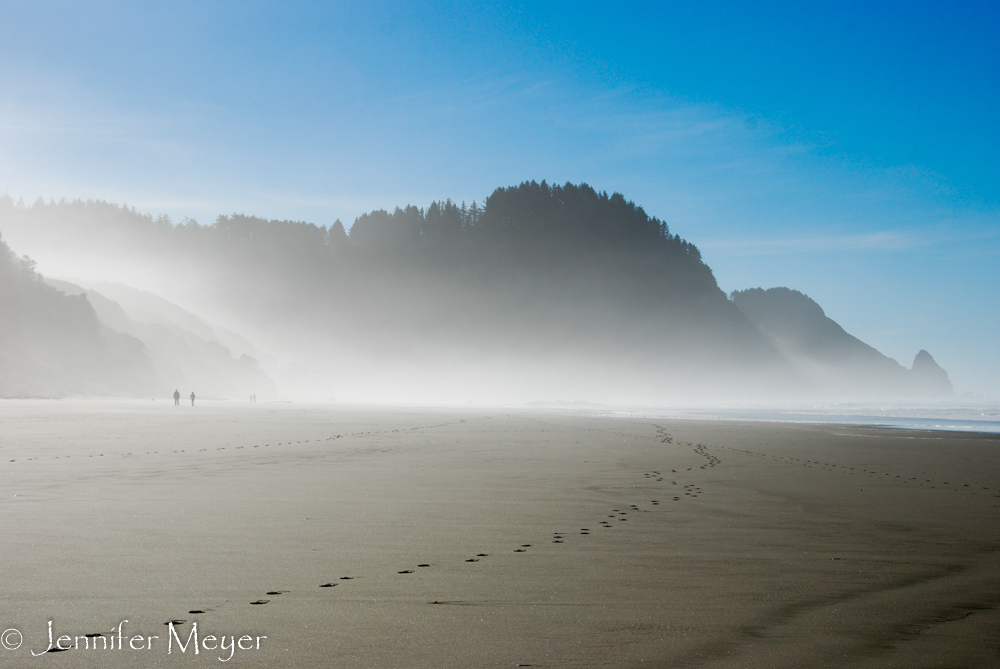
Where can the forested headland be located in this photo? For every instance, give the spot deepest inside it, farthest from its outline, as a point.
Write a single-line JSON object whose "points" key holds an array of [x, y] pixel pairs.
{"points": [[563, 286]]}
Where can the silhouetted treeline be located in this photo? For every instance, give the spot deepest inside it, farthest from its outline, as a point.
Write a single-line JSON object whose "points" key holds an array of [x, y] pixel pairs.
{"points": [[560, 219], [530, 239], [532, 215]]}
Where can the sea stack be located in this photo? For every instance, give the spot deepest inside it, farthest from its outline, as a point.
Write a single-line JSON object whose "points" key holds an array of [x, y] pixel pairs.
{"points": [[929, 375]]}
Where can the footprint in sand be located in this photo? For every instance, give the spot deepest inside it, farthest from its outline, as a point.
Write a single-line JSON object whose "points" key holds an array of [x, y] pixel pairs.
{"points": [[520, 550], [405, 571], [472, 560], [346, 578], [260, 602], [423, 565], [277, 592], [175, 622], [196, 611], [329, 585]]}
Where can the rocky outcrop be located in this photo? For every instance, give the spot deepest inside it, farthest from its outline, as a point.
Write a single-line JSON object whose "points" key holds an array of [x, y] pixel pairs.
{"points": [[929, 376]]}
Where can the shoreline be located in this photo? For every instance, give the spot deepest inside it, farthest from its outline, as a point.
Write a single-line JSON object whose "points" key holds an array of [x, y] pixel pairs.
{"points": [[811, 415]]}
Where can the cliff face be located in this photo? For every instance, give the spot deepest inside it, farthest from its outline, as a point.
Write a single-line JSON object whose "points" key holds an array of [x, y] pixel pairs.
{"points": [[834, 362]]}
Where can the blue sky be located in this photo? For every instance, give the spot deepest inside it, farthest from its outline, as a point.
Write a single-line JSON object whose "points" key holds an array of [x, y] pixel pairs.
{"points": [[848, 150]]}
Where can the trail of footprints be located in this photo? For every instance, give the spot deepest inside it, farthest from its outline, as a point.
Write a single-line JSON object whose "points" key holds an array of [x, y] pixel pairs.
{"points": [[615, 519], [618, 516], [874, 474], [222, 448]]}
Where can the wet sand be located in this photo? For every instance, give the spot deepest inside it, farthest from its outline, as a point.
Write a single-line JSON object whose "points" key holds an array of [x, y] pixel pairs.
{"points": [[549, 540]]}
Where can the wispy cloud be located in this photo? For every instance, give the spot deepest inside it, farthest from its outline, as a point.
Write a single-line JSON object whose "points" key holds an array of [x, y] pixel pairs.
{"points": [[154, 134], [884, 240]]}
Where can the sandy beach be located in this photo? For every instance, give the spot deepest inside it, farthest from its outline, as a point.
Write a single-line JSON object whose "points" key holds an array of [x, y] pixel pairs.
{"points": [[340, 537]]}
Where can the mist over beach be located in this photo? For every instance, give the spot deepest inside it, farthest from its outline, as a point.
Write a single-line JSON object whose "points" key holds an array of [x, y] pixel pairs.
{"points": [[542, 292], [491, 334]]}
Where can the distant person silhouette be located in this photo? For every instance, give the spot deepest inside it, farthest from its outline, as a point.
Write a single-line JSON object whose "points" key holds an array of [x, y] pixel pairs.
{"points": [[177, 398], [192, 398]]}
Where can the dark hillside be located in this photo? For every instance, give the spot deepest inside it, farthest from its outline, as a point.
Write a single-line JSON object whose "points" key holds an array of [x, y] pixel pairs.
{"points": [[835, 362], [561, 282], [52, 344]]}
